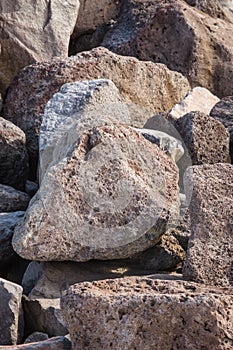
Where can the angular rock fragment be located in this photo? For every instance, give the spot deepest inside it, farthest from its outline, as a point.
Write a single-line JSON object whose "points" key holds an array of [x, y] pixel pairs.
{"points": [[58, 343], [205, 138], [75, 108], [146, 86], [167, 143], [8, 221], [94, 19], [111, 197], [35, 337], [12, 200], [223, 111], [10, 308], [148, 314], [13, 155], [44, 315], [210, 251], [174, 33], [53, 23], [198, 99]]}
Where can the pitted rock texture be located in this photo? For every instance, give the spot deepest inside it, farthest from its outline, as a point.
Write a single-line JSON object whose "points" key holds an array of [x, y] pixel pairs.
{"points": [[33, 31], [210, 249], [10, 306], [148, 314], [223, 111], [75, 108], [198, 99], [12, 200], [13, 155], [8, 221], [205, 138], [145, 85], [180, 36], [215, 8], [111, 197]]}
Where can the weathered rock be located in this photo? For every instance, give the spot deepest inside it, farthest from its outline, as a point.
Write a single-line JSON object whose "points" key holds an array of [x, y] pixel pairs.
{"points": [[223, 111], [31, 276], [182, 231], [12, 200], [53, 22], [167, 255], [210, 250], [44, 315], [101, 202], [8, 221], [170, 145], [55, 277], [178, 35], [76, 108], [13, 155], [94, 19], [205, 137], [35, 337], [198, 99], [214, 8], [131, 313], [10, 306], [58, 343], [36, 84], [166, 123]]}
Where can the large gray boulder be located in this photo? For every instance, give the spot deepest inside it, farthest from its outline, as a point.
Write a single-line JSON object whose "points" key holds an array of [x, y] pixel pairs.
{"points": [[140, 313], [210, 249], [111, 197], [10, 306], [33, 31], [75, 108]]}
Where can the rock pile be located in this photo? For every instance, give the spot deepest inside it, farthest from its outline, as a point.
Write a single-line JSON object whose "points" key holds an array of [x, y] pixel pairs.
{"points": [[116, 209]]}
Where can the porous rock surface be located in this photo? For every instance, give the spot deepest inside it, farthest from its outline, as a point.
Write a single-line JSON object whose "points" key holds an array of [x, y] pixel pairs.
{"points": [[151, 87], [75, 108], [205, 138], [13, 155], [223, 111], [210, 249], [33, 31], [12, 200], [111, 197], [140, 313], [198, 99], [10, 306], [174, 33]]}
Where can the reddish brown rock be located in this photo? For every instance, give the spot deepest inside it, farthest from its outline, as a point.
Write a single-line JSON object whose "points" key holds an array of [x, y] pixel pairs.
{"points": [[112, 196], [223, 111], [145, 85], [148, 314], [210, 251], [174, 33], [205, 138], [13, 155]]}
